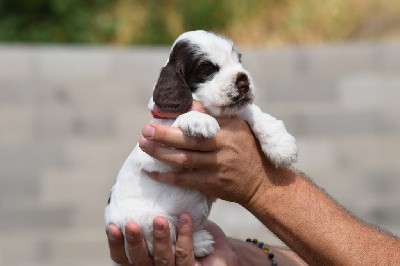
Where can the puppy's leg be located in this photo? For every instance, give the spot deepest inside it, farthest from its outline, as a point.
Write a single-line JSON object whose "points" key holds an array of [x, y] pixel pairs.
{"points": [[196, 124], [202, 243], [277, 144]]}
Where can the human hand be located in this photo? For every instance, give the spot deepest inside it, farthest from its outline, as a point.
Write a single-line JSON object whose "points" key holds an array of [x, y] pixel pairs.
{"points": [[163, 253], [136, 246], [224, 253], [230, 165]]}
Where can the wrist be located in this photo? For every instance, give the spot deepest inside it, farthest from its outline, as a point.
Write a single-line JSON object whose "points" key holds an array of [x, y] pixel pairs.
{"points": [[274, 182]]}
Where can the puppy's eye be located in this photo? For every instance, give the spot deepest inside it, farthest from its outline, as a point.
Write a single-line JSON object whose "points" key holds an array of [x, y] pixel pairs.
{"points": [[208, 69], [200, 73]]}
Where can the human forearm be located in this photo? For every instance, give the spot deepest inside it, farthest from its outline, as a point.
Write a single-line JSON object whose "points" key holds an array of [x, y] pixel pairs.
{"points": [[316, 227]]}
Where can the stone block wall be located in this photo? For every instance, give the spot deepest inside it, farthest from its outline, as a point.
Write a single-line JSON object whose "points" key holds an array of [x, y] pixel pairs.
{"points": [[69, 116]]}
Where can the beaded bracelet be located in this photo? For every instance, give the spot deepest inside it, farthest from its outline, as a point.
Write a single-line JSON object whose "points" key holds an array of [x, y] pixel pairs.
{"points": [[265, 249]]}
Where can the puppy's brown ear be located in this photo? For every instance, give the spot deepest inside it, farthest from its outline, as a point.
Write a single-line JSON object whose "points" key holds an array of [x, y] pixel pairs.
{"points": [[171, 93]]}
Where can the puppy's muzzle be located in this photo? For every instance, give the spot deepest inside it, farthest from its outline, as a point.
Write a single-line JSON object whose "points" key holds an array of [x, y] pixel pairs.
{"points": [[242, 83]]}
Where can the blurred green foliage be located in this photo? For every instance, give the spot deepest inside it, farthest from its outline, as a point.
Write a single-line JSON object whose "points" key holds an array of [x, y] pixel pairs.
{"points": [[125, 22], [75, 21]]}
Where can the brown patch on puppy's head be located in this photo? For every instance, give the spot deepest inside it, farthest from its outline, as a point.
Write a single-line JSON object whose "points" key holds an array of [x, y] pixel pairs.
{"points": [[187, 67], [171, 93]]}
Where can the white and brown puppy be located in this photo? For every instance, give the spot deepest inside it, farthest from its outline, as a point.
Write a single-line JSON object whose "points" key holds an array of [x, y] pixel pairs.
{"points": [[204, 67]]}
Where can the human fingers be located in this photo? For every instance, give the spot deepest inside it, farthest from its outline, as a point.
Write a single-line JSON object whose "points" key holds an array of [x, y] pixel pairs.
{"points": [[136, 246], [196, 106], [162, 247], [174, 137], [184, 254], [225, 171], [181, 157], [116, 244]]}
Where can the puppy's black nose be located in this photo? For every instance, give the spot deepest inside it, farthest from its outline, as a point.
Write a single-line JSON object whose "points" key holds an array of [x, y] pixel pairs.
{"points": [[242, 83]]}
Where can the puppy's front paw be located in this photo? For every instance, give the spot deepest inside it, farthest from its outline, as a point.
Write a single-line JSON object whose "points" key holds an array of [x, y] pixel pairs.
{"points": [[281, 148], [196, 124]]}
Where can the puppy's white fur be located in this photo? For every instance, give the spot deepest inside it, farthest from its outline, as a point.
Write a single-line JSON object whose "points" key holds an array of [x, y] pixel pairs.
{"points": [[137, 197]]}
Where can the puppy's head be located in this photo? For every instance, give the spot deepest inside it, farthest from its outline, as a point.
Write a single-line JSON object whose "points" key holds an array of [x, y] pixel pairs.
{"points": [[204, 67]]}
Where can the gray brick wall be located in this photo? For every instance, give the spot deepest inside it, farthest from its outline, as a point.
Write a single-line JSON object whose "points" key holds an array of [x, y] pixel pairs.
{"points": [[70, 115]]}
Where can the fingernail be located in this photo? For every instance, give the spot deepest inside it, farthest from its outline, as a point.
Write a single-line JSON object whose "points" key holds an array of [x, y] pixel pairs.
{"points": [[183, 220], [130, 235], [111, 235], [142, 143], [148, 131], [159, 227]]}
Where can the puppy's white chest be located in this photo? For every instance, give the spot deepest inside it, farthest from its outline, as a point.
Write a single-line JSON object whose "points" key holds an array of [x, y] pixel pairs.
{"points": [[137, 197]]}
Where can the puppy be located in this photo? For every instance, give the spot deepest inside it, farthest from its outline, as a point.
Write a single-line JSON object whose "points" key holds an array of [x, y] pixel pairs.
{"points": [[205, 67]]}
